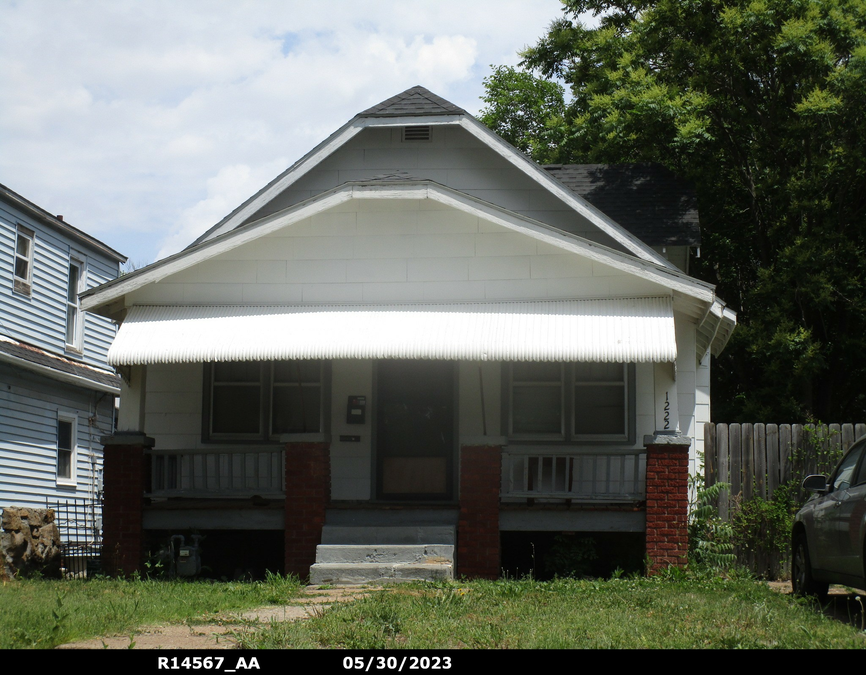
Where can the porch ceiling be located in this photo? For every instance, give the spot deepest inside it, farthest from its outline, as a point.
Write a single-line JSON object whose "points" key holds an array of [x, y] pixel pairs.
{"points": [[616, 330]]}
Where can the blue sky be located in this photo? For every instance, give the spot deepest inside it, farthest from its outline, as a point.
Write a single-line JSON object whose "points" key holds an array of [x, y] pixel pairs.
{"points": [[144, 123]]}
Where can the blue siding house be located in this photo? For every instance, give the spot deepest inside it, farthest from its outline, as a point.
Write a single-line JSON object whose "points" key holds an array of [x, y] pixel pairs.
{"points": [[57, 392]]}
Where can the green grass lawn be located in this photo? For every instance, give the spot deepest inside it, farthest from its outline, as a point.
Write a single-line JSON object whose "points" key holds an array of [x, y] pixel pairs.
{"points": [[41, 613], [620, 614]]}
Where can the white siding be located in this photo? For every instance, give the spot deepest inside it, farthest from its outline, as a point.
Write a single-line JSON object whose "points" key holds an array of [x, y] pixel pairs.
{"points": [[393, 251], [702, 407], [686, 381], [173, 406], [469, 398], [453, 158], [351, 463]]}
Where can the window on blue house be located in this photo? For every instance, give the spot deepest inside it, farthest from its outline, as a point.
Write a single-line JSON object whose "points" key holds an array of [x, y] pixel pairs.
{"points": [[67, 430], [23, 272], [74, 318]]}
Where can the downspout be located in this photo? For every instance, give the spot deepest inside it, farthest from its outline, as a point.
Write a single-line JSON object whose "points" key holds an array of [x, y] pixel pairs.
{"points": [[93, 421]]}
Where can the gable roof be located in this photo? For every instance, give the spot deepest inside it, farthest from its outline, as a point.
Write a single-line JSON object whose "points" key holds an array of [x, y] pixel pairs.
{"points": [[648, 200], [437, 111], [691, 296], [15, 200], [414, 101], [402, 188]]}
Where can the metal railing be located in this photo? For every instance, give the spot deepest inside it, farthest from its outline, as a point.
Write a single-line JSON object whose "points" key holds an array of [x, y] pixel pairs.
{"points": [[201, 473], [79, 521], [574, 474]]}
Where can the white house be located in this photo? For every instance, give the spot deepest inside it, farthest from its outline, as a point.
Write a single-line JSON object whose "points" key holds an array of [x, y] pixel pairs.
{"points": [[415, 333]]}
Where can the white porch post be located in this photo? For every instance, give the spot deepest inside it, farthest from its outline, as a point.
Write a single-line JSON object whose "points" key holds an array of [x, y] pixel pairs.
{"points": [[666, 409], [132, 399]]}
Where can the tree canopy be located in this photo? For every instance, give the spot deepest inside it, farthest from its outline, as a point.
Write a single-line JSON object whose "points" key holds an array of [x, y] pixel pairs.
{"points": [[760, 104]]}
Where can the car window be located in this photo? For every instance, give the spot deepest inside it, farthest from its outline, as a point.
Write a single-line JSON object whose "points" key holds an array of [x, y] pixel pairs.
{"points": [[844, 476], [861, 473]]}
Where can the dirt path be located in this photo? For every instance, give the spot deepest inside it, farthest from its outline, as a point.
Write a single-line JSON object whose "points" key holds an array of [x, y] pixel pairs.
{"points": [[216, 634]]}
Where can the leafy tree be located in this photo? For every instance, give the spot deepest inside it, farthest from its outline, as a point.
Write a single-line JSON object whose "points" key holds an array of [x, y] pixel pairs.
{"points": [[761, 104], [527, 111]]}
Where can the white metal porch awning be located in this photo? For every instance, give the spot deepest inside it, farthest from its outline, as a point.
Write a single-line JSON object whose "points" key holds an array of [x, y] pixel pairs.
{"points": [[620, 330]]}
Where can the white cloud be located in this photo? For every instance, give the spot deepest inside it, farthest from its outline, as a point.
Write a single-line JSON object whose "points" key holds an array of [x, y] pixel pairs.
{"points": [[231, 186], [160, 117]]}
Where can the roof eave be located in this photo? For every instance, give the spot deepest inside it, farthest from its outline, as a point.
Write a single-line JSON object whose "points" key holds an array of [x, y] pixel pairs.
{"points": [[17, 201], [59, 375], [613, 229], [96, 298]]}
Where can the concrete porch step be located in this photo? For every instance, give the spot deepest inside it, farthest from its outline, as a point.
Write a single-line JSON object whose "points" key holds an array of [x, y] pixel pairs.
{"points": [[379, 517], [396, 534], [366, 573], [376, 546], [390, 555]]}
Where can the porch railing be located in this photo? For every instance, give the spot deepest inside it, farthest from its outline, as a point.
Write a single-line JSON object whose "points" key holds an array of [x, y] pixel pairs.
{"points": [[574, 474], [210, 473]]}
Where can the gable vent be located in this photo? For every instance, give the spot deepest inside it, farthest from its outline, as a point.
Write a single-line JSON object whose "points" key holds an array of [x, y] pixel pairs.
{"points": [[416, 133]]}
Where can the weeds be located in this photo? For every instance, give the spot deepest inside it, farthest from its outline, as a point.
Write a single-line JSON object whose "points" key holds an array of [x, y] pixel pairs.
{"points": [[689, 611], [570, 556], [710, 537], [45, 613]]}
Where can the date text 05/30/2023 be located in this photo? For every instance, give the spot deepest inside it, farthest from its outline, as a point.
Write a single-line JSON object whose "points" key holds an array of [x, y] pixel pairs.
{"points": [[362, 663]]}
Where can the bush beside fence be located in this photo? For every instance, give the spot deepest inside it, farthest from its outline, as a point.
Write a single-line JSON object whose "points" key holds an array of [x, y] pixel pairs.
{"points": [[764, 465]]}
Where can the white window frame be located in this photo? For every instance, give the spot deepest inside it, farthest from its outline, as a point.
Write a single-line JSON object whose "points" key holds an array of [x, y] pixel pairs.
{"points": [[74, 307], [567, 386], [65, 416], [23, 285]]}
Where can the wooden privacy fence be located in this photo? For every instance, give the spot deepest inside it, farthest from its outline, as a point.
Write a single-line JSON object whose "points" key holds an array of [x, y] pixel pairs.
{"points": [[757, 458]]}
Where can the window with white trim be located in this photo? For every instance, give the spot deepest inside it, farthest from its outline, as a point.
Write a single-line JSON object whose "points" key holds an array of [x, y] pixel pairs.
{"points": [[578, 402], [67, 433], [248, 400], [74, 318], [23, 272]]}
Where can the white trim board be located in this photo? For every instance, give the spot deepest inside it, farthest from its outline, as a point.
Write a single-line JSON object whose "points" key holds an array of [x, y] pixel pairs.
{"points": [[408, 190]]}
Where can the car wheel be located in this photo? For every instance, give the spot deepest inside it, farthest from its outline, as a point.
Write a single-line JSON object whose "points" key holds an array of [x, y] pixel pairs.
{"points": [[801, 571]]}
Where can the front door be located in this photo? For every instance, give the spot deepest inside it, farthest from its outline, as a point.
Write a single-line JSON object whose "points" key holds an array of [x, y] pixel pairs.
{"points": [[414, 430]]}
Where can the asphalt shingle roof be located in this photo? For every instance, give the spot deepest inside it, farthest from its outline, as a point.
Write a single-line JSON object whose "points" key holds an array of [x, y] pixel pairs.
{"points": [[415, 101], [646, 199], [38, 356]]}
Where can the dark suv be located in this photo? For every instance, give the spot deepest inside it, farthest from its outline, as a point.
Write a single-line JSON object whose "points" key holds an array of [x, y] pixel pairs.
{"points": [[829, 535]]}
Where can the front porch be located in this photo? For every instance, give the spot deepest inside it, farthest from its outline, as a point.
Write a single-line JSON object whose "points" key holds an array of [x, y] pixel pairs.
{"points": [[287, 491]]}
